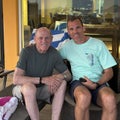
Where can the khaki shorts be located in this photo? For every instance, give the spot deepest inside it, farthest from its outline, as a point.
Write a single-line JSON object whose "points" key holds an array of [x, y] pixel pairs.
{"points": [[42, 93]]}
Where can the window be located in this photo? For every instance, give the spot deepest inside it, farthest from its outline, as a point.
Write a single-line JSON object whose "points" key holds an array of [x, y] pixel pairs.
{"points": [[99, 16]]}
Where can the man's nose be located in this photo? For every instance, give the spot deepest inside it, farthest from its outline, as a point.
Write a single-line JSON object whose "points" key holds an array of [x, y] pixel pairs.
{"points": [[44, 40]]}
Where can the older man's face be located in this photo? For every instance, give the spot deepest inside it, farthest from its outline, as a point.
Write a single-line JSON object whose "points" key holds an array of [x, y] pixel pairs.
{"points": [[43, 40]]}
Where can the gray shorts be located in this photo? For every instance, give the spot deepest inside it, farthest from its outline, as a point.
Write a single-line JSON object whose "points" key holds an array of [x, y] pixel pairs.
{"points": [[42, 93]]}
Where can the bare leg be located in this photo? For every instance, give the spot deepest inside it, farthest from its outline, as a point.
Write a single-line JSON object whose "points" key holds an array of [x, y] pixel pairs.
{"points": [[87, 115], [58, 101], [29, 93], [83, 99], [107, 100]]}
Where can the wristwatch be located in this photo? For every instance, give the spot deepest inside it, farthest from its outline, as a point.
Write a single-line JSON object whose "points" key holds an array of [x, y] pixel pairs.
{"points": [[65, 76]]}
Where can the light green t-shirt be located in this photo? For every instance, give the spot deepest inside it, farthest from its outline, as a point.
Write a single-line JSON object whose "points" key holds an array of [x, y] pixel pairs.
{"points": [[87, 59]]}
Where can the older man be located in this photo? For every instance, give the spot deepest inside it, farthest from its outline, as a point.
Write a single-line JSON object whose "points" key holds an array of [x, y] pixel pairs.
{"points": [[35, 78]]}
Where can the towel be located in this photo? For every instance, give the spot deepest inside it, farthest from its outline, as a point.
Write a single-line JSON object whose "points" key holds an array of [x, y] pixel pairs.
{"points": [[8, 105], [59, 38]]}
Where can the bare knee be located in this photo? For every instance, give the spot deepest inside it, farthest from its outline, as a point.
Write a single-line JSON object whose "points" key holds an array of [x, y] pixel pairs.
{"points": [[28, 89], [83, 99], [108, 101], [62, 88]]}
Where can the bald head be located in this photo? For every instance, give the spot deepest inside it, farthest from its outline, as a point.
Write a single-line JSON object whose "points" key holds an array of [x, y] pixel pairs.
{"points": [[43, 29], [43, 39]]}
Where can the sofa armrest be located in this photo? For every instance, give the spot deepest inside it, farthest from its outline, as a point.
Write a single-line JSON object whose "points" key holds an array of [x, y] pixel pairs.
{"points": [[4, 75]]}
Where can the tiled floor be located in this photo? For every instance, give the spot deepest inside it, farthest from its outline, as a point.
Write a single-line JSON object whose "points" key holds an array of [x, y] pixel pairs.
{"points": [[45, 113]]}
